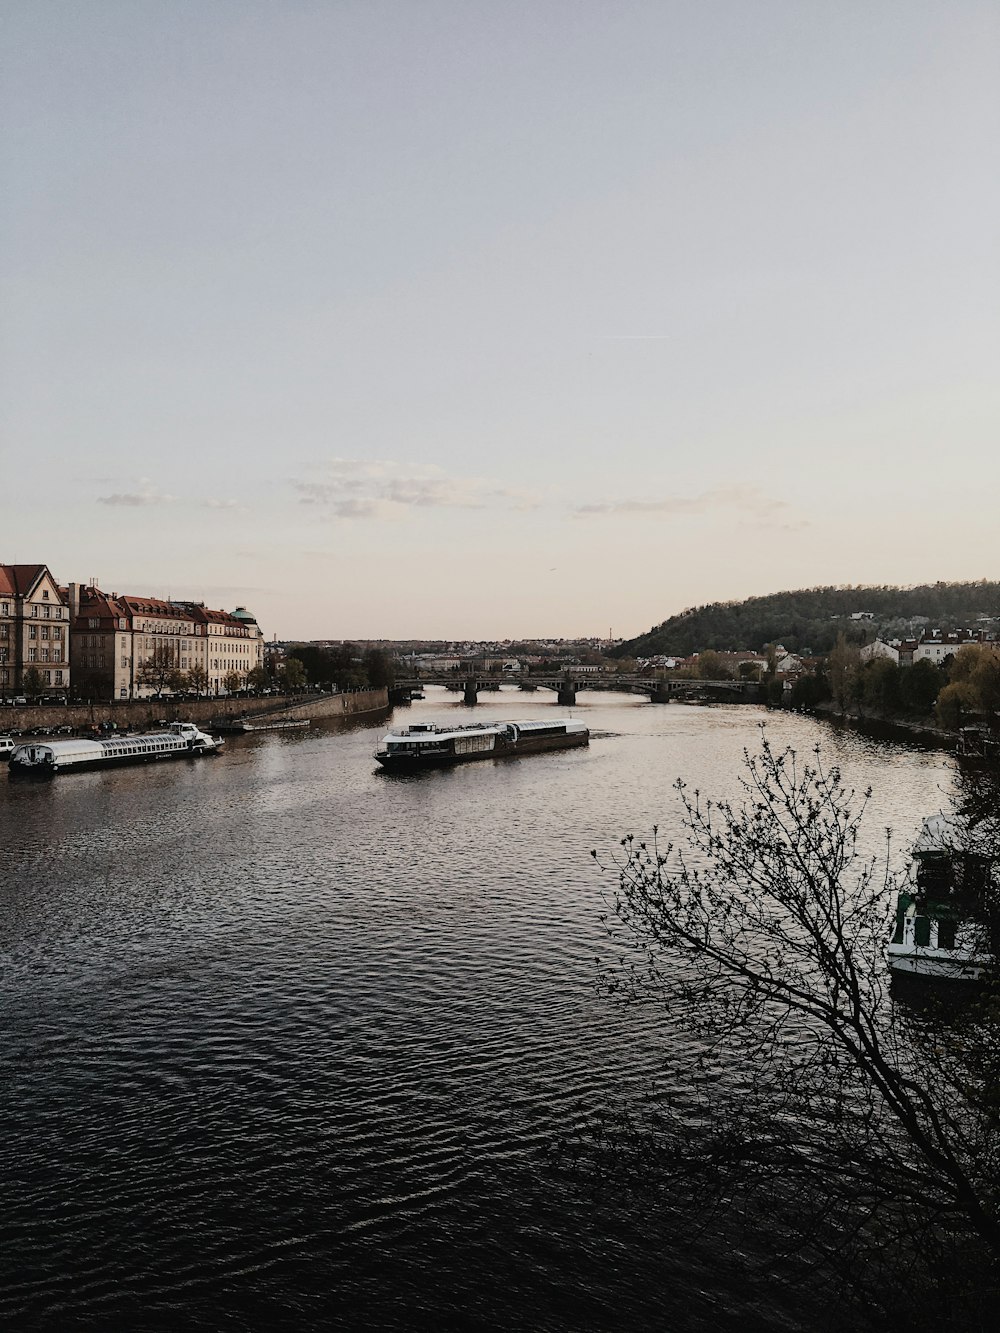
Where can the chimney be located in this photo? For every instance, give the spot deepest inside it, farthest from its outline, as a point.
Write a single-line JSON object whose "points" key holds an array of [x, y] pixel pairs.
{"points": [[74, 600]]}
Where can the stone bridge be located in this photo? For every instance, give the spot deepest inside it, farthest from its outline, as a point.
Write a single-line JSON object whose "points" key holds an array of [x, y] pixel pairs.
{"points": [[567, 684]]}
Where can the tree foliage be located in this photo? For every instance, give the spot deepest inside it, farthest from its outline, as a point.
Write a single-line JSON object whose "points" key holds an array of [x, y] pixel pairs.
{"points": [[711, 666], [197, 680], [974, 681], [345, 666], [761, 935], [32, 682], [812, 617], [293, 674]]}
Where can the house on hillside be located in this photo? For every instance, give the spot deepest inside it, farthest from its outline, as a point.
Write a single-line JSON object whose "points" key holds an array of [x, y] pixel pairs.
{"points": [[878, 648]]}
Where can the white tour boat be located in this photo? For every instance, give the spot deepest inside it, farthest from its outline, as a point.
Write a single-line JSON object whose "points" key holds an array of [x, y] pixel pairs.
{"points": [[429, 746], [943, 917], [42, 759]]}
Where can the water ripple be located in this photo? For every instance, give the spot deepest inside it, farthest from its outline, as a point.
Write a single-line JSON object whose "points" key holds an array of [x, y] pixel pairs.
{"points": [[285, 1041]]}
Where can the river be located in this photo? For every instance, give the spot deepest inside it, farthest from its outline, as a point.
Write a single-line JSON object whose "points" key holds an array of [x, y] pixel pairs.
{"points": [[285, 1037]]}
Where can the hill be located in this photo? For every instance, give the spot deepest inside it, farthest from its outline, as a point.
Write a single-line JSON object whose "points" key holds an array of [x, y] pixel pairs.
{"points": [[811, 618]]}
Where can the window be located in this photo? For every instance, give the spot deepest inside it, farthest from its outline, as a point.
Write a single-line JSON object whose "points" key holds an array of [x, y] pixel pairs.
{"points": [[47, 610], [4, 608], [45, 631], [59, 677], [94, 622], [32, 654], [58, 613], [45, 596], [34, 610], [45, 654], [32, 631], [4, 631], [124, 661], [48, 677], [57, 631]]}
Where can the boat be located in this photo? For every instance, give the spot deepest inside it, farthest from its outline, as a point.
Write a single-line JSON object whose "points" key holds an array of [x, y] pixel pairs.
{"points": [[182, 740], [242, 726], [944, 927], [978, 746], [429, 746]]}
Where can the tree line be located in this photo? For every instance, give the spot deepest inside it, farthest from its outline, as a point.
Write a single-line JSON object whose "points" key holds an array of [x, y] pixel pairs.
{"points": [[964, 687], [812, 618]]}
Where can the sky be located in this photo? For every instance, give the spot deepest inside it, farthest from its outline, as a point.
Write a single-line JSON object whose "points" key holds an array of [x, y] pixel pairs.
{"points": [[489, 319]]}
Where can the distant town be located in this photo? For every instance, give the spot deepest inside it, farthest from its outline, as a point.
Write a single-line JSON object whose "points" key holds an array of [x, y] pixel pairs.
{"points": [[76, 641]]}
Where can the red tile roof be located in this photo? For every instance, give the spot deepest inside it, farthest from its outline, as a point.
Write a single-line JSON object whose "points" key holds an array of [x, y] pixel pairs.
{"points": [[18, 580]]}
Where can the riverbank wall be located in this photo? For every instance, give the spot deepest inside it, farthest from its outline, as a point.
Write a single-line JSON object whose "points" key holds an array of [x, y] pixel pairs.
{"points": [[880, 726], [141, 714]]}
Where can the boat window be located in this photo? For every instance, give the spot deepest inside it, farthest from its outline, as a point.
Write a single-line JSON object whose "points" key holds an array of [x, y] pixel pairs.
{"points": [[934, 874], [474, 744], [946, 934]]}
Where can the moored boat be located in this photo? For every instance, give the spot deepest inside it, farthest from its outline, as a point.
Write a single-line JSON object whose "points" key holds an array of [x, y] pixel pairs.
{"points": [[978, 746], [944, 917], [429, 746], [182, 740]]}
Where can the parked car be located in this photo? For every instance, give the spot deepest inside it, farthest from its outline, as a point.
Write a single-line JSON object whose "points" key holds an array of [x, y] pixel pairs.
{"points": [[7, 747]]}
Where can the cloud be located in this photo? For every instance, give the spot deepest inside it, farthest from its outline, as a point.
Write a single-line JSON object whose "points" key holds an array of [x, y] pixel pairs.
{"points": [[381, 489], [147, 494], [220, 504], [748, 502]]}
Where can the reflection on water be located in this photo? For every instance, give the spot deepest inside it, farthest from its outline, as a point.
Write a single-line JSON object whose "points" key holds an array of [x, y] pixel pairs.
{"points": [[286, 1037]]}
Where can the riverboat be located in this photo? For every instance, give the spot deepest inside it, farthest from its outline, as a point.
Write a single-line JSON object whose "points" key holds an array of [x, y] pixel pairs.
{"points": [[978, 746], [944, 916], [182, 740], [428, 746]]}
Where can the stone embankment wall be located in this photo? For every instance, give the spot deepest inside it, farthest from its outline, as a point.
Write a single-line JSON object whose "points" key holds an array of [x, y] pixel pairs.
{"points": [[140, 714]]}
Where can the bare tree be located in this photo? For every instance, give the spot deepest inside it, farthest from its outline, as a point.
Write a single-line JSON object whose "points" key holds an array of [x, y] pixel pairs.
{"points": [[159, 668], [197, 680], [867, 1138]]}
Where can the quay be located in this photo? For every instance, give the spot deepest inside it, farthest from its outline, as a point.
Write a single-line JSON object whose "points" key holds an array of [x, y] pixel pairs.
{"points": [[145, 714]]}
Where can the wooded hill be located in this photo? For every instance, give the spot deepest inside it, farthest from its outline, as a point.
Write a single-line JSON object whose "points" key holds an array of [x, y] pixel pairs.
{"points": [[810, 619]]}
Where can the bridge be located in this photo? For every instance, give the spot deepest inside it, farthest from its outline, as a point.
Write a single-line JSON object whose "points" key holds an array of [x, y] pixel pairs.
{"points": [[567, 685]]}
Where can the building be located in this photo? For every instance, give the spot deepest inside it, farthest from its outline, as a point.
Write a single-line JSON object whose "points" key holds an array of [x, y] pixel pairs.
{"points": [[230, 643], [940, 645], [878, 648], [128, 647], [34, 633]]}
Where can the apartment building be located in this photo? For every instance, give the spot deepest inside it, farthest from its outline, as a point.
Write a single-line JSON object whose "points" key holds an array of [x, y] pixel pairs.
{"points": [[129, 647], [34, 633]]}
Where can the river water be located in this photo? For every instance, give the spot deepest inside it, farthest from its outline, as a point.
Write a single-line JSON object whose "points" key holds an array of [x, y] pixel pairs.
{"points": [[285, 1038]]}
